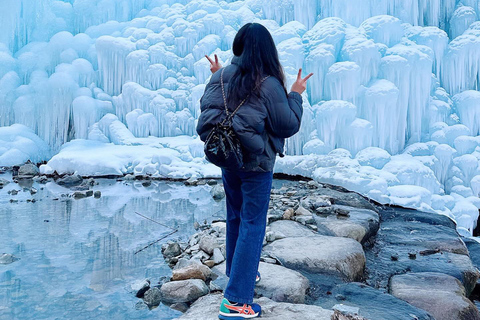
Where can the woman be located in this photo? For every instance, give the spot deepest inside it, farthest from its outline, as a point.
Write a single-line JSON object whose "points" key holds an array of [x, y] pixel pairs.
{"points": [[268, 116]]}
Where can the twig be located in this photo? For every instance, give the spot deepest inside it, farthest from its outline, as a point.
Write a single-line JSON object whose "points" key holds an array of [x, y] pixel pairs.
{"points": [[152, 243], [163, 225]]}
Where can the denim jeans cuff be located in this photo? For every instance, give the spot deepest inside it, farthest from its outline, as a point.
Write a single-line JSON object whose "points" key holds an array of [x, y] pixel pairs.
{"points": [[236, 299]]}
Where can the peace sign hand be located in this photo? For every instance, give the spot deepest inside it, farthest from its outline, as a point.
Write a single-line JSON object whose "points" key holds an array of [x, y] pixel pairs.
{"points": [[301, 84], [214, 65]]}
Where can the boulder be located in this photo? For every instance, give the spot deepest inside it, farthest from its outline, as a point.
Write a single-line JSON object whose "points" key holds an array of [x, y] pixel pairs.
{"points": [[217, 192], [278, 283], [374, 304], [441, 295], [208, 244], [206, 308], [71, 180], [193, 271], [6, 258], [320, 254], [152, 297], [183, 291], [359, 224], [28, 170], [288, 228]]}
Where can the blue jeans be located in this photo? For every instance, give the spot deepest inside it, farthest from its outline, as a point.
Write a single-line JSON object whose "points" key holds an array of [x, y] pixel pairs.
{"points": [[248, 196]]}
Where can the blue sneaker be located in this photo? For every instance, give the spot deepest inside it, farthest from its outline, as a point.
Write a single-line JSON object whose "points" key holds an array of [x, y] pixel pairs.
{"points": [[237, 311]]}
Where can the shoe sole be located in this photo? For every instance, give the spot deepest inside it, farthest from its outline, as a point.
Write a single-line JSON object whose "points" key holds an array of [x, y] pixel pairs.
{"points": [[224, 316]]}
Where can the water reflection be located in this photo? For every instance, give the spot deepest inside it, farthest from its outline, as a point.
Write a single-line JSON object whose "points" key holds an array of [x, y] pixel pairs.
{"points": [[77, 257]]}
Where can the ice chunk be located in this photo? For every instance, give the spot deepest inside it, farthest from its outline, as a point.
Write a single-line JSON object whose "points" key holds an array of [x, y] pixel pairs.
{"points": [[410, 196], [18, 144], [461, 19], [332, 117], [475, 184], [374, 157], [375, 104], [467, 105], [444, 153], [342, 81], [112, 55], [86, 111], [465, 144], [468, 164], [358, 135], [383, 29]]}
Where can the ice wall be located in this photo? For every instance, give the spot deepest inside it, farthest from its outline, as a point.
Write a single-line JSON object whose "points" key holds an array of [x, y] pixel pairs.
{"points": [[394, 75]]}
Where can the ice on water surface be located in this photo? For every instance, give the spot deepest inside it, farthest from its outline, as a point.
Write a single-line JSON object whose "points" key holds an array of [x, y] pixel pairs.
{"points": [[395, 89]]}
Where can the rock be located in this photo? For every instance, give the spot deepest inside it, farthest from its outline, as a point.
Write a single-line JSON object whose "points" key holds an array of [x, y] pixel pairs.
{"points": [[140, 305], [359, 224], [3, 182], [129, 177], [217, 192], [191, 182], [147, 183], [208, 244], [218, 256], [97, 194], [82, 194], [138, 285], [7, 258], [281, 284], [304, 220], [313, 184], [13, 192], [278, 283], [206, 308], [181, 306], [183, 291], [374, 304], [443, 296], [343, 312], [288, 228], [33, 191], [28, 170], [301, 211], [71, 180], [193, 271], [212, 182], [288, 214], [152, 297], [209, 263], [172, 250], [320, 254], [406, 232]]}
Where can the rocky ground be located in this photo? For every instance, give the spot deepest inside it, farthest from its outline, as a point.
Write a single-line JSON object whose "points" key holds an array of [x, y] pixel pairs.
{"points": [[331, 254], [328, 254]]}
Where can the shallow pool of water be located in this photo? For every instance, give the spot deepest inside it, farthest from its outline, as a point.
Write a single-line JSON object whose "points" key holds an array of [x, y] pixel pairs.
{"points": [[77, 257]]}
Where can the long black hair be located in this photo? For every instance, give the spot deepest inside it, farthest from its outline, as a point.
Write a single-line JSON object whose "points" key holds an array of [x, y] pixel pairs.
{"points": [[257, 57]]}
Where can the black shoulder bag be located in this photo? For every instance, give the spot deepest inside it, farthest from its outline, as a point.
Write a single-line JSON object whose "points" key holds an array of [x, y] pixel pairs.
{"points": [[222, 146]]}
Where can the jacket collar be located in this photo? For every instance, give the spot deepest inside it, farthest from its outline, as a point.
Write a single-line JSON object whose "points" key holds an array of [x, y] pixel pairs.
{"points": [[235, 60]]}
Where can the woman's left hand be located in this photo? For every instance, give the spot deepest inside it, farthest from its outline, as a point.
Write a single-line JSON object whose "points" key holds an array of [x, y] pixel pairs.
{"points": [[214, 65]]}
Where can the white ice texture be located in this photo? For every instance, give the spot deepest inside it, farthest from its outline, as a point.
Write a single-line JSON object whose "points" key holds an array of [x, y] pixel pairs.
{"points": [[113, 86]]}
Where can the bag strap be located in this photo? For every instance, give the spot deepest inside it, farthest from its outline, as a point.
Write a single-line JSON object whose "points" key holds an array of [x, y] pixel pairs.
{"points": [[230, 115]]}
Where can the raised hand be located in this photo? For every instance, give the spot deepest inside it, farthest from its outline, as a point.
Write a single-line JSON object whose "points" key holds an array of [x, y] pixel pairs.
{"points": [[214, 65], [301, 84]]}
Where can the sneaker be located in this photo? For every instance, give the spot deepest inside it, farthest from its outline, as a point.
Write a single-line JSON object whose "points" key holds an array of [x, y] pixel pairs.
{"points": [[258, 278], [237, 311]]}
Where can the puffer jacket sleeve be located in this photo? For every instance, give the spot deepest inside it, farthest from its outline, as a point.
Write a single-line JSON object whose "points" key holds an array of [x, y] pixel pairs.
{"points": [[211, 107], [284, 112]]}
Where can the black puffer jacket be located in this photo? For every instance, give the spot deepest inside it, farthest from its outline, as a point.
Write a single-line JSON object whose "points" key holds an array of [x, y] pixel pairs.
{"points": [[262, 123]]}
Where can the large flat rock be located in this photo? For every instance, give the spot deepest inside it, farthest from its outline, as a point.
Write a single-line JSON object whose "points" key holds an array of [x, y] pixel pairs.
{"points": [[289, 228], [360, 224], [320, 254], [278, 283], [413, 241], [374, 304], [441, 295], [206, 308]]}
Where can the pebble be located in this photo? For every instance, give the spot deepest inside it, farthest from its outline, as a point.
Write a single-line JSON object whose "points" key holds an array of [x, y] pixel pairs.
{"points": [[212, 182], [97, 194]]}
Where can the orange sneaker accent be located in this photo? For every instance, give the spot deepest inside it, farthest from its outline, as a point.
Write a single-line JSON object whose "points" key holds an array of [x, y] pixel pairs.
{"points": [[245, 309]]}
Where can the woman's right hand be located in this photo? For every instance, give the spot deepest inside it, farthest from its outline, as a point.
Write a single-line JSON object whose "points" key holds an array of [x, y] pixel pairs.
{"points": [[214, 65], [301, 84]]}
